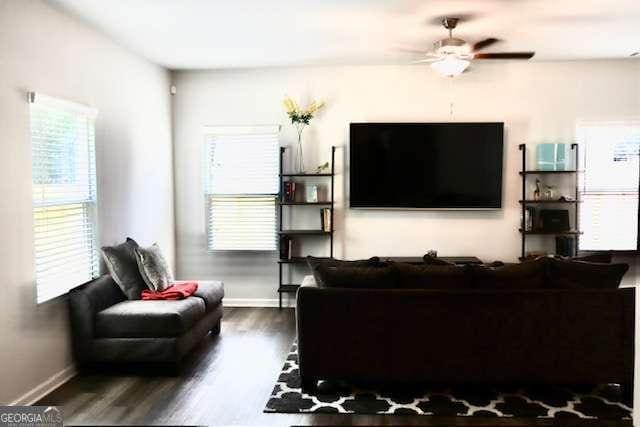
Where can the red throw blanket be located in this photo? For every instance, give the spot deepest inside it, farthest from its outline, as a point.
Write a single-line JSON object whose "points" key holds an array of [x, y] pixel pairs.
{"points": [[173, 292]]}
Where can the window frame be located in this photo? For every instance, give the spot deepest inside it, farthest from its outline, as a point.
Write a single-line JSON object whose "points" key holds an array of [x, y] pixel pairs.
{"points": [[87, 203], [211, 131], [583, 167]]}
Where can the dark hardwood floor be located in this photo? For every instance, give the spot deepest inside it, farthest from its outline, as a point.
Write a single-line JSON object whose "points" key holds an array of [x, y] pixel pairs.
{"points": [[226, 381]]}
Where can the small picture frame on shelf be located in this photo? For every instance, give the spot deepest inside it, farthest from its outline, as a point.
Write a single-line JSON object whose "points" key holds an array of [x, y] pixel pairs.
{"points": [[311, 193]]}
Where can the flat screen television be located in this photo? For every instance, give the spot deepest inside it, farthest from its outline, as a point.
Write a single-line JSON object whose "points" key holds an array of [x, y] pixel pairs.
{"points": [[426, 165]]}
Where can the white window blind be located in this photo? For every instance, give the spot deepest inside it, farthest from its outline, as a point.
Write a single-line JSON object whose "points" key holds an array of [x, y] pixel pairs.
{"points": [[609, 185], [64, 195], [242, 187]]}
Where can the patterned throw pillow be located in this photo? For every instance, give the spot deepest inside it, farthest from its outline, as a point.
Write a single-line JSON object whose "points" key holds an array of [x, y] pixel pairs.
{"points": [[154, 268], [123, 268]]}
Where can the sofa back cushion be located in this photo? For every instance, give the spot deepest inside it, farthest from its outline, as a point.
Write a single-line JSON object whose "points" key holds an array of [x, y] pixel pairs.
{"points": [[604, 257], [122, 265], [410, 276], [315, 263], [527, 275], [570, 274], [369, 277], [431, 260]]}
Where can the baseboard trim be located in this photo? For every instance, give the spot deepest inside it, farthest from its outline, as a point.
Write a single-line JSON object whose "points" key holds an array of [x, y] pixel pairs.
{"points": [[46, 387], [258, 302]]}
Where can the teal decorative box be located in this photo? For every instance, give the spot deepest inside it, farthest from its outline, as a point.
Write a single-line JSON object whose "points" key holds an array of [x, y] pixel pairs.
{"points": [[552, 157]]}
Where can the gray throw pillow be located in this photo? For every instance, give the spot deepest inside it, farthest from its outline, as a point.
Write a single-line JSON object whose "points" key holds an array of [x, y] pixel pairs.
{"points": [[122, 265], [154, 268]]}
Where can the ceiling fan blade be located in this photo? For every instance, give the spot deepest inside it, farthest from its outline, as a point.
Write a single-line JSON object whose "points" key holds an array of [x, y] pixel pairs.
{"points": [[483, 44], [504, 55], [411, 50], [423, 61]]}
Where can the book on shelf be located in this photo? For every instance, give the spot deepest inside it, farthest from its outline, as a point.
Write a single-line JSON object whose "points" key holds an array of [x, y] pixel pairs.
{"points": [[325, 219], [529, 222], [285, 247], [289, 191]]}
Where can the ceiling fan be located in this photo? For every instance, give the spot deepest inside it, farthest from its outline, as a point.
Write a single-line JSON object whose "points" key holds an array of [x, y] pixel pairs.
{"points": [[451, 56]]}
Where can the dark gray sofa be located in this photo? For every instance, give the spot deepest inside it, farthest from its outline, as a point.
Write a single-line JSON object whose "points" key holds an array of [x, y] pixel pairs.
{"points": [[107, 327]]}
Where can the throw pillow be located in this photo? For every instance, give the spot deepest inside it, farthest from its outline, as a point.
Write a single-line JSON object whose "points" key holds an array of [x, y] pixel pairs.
{"points": [[356, 277], [431, 276], [154, 268], [527, 275], [314, 263], [431, 260], [123, 267], [569, 274]]}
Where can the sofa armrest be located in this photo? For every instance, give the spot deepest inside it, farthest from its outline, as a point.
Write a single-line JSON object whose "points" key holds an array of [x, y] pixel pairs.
{"points": [[84, 303]]}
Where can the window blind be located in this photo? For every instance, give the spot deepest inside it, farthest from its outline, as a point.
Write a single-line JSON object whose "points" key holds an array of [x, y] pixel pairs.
{"points": [[609, 185], [241, 188], [64, 195]]}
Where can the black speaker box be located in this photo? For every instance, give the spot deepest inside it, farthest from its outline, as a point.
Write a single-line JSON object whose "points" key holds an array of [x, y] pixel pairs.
{"points": [[554, 220], [564, 246]]}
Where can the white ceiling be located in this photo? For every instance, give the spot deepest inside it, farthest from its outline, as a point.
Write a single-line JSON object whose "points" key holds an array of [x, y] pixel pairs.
{"points": [[196, 34]]}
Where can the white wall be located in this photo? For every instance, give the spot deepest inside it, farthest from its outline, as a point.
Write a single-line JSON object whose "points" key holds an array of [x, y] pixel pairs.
{"points": [[43, 50], [537, 102]]}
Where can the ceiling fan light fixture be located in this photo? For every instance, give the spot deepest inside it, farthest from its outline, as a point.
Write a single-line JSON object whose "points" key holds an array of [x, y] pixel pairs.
{"points": [[450, 66]]}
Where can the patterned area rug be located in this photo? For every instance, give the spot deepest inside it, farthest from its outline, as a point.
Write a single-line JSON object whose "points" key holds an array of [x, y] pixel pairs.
{"points": [[521, 402]]}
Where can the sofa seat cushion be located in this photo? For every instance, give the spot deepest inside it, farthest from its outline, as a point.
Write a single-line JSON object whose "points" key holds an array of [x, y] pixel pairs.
{"points": [[431, 276], [211, 293], [149, 319]]}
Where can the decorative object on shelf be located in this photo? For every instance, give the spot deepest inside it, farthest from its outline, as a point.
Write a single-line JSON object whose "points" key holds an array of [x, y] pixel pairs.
{"points": [[549, 193], [552, 157], [311, 193], [554, 220], [289, 191], [300, 119], [564, 246], [537, 192], [567, 198], [323, 168], [325, 219]]}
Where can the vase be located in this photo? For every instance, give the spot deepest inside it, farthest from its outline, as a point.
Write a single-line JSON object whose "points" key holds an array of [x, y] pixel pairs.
{"points": [[299, 158]]}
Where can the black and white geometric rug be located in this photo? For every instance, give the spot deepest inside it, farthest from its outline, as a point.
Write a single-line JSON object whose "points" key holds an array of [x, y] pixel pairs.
{"points": [[518, 402]]}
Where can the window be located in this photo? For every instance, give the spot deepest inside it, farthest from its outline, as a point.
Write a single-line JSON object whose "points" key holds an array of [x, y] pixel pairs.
{"points": [[609, 186], [242, 187], [64, 195]]}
